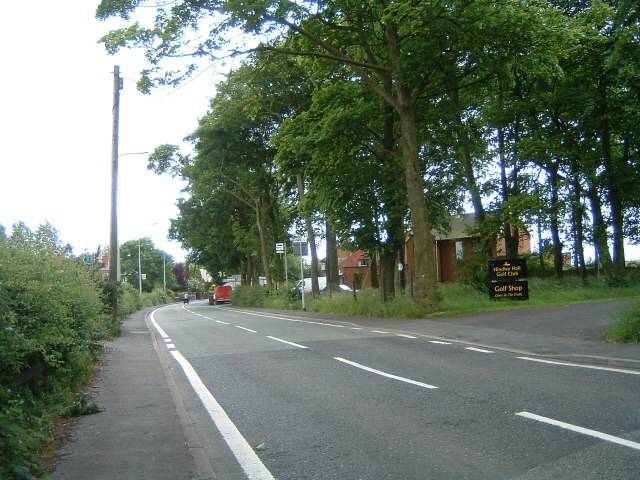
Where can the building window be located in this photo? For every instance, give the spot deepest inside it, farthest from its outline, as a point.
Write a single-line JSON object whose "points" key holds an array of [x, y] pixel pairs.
{"points": [[363, 262], [459, 250]]}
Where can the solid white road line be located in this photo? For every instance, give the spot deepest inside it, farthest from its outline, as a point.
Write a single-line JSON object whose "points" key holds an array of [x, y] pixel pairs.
{"points": [[223, 323], [247, 458], [593, 367], [384, 374], [481, 350], [286, 341], [245, 328], [584, 431], [162, 333], [439, 342], [404, 335]]}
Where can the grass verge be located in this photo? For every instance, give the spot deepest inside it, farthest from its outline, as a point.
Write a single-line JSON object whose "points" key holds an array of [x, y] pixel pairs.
{"points": [[454, 298], [627, 329]]}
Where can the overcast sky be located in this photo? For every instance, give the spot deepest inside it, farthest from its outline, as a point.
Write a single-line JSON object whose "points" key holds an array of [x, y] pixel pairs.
{"points": [[55, 128]]}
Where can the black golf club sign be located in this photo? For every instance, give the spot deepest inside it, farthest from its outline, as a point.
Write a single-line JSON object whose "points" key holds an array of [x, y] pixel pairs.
{"points": [[506, 279]]}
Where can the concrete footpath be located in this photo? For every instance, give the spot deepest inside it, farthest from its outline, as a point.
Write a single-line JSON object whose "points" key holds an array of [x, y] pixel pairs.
{"points": [[140, 434]]}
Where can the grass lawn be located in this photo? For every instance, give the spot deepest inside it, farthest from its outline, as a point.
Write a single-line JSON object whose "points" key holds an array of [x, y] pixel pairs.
{"points": [[460, 298]]}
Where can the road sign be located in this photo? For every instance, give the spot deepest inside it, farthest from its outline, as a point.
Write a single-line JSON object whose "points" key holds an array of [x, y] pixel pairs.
{"points": [[507, 270], [516, 290], [87, 259], [279, 247], [143, 276], [506, 279], [300, 249]]}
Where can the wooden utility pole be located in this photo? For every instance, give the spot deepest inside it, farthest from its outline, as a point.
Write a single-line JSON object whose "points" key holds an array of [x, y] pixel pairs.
{"points": [[114, 250]]}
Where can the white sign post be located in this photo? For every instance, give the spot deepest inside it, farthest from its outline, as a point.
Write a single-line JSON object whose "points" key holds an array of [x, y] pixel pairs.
{"points": [[300, 248], [281, 248]]}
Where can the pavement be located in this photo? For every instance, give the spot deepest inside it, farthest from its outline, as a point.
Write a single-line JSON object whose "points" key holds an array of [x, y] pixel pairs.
{"points": [[145, 431]]}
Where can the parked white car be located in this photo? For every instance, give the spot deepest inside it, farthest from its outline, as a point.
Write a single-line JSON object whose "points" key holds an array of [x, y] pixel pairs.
{"points": [[322, 285]]}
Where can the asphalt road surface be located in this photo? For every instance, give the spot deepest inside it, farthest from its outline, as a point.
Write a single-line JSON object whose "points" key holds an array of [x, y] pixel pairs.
{"points": [[275, 396]]}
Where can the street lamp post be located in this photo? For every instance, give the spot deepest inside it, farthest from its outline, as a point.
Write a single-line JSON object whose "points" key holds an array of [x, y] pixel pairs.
{"points": [[164, 276], [139, 270], [114, 250], [164, 270]]}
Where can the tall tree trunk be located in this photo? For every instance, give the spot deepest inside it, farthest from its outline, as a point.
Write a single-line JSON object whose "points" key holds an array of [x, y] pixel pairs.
{"points": [[577, 214], [611, 176], [263, 242], [394, 212], [513, 246], [509, 237], [373, 270], [244, 277], [402, 276], [599, 227], [464, 154], [543, 270], [504, 188], [424, 286], [554, 222], [311, 238], [425, 270], [387, 268], [252, 271], [333, 274]]}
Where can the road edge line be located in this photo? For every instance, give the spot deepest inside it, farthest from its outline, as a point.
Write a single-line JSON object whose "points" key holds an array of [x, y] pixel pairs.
{"points": [[238, 445]]}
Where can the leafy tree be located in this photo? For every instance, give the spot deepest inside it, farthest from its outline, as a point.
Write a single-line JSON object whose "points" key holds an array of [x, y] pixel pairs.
{"points": [[344, 32], [180, 272], [151, 261]]}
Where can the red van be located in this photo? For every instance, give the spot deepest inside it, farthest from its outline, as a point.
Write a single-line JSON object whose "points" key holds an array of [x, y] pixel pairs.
{"points": [[222, 294]]}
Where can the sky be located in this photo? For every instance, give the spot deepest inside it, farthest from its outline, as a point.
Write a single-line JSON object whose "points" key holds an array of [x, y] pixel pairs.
{"points": [[56, 94]]}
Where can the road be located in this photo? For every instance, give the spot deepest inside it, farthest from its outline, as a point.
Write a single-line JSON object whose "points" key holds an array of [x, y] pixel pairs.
{"points": [[297, 398]]}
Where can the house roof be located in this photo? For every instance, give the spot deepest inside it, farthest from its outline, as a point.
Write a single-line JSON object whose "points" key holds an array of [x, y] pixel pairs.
{"points": [[353, 259], [460, 227]]}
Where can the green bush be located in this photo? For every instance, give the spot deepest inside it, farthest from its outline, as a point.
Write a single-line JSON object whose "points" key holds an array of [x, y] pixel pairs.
{"points": [[627, 329], [129, 300], [51, 321], [473, 271], [249, 296], [153, 298]]}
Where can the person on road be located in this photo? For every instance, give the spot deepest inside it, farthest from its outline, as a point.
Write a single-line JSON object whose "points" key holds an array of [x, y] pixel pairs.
{"points": [[186, 298]]}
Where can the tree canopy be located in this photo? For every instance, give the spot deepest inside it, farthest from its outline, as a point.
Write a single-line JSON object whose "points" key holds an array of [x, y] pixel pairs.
{"points": [[388, 117]]}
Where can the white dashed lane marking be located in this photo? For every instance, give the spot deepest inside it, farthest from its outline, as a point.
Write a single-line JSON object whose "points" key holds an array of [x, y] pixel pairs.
{"points": [[245, 328], [384, 374], [582, 430], [481, 350], [286, 341]]}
